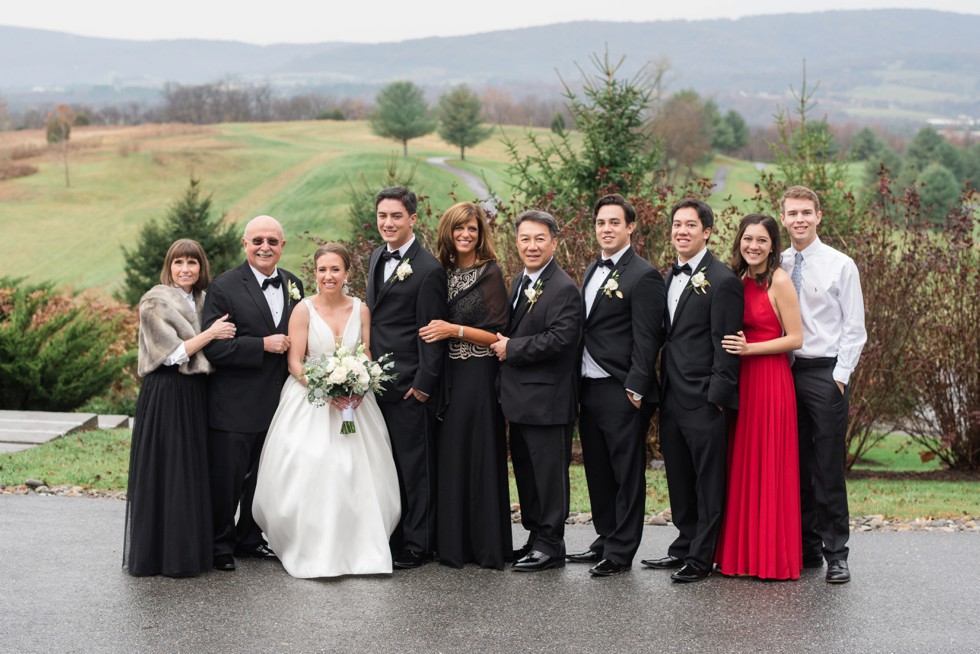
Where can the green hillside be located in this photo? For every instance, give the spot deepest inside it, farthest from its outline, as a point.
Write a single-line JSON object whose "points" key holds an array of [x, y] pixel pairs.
{"points": [[297, 172]]}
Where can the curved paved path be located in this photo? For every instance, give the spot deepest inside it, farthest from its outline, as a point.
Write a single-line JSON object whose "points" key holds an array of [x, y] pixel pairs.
{"points": [[63, 591], [471, 181]]}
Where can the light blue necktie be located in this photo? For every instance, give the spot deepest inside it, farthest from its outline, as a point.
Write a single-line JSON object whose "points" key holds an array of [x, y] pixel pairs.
{"points": [[797, 272], [797, 278]]}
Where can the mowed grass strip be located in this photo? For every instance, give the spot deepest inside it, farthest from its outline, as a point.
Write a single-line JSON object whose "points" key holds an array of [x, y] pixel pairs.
{"points": [[100, 460]]}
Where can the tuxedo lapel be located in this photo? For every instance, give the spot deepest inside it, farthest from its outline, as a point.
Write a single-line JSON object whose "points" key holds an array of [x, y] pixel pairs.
{"points": [[254, 291], [616, 270], [373, 289], [393, 279], [689, 289], [523, 304], [585, 284]]}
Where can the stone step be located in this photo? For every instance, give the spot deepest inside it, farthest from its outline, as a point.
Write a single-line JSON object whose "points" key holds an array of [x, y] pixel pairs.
{"points": [[15, 447], [35, 427], [113, 422]]}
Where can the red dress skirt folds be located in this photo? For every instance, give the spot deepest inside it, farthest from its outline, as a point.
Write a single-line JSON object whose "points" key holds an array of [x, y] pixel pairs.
{"points": [[760, 532]]}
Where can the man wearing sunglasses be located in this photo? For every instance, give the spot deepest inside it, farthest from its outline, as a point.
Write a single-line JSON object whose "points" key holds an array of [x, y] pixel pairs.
{"points": [[243, 392]]}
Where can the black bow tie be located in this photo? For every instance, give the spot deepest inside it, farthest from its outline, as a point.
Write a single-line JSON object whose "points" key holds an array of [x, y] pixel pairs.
{"points": [[387, 255], [608, 263], [677, 270], [272, 281]]}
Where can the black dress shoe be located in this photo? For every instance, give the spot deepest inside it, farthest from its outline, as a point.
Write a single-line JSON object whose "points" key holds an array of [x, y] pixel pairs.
{"points": [[224, 562], [689, 573], [664, 563], [408, 559], [607, 568], [588, 556], [524, 551], [837, 572], [260, 551], [536, 561]]}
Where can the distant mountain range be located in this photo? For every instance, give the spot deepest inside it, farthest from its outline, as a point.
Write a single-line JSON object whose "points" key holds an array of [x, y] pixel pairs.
{"points": [[882, 64]]}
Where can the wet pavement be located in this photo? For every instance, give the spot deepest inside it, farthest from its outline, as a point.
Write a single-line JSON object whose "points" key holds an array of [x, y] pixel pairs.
{"points": [[62, 590]]}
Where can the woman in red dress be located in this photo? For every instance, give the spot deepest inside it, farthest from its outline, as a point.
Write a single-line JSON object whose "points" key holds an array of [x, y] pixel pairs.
{"points": [[760, 531]]}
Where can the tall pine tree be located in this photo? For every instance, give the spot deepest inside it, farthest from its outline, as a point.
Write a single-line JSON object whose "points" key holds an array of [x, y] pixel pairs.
{"points": [[459, 119], [188, 217]]}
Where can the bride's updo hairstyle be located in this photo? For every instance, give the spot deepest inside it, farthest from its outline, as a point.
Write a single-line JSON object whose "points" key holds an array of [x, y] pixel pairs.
{"points": [[333, 248]]}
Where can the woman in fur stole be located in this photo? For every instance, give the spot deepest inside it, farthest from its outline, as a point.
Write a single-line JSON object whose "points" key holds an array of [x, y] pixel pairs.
{"points": [[168, 507]]}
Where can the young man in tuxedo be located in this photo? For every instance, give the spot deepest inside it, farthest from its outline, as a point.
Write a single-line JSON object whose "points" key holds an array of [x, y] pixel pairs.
{"points": [[243, 392], [537, 386], [700, 387], [406, 289], [832, 308], [625, 300]]}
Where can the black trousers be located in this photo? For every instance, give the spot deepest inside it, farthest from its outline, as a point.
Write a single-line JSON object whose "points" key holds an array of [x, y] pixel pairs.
{"points": [[233, 458], [613, 434], [694, 443], [541, 455], [822, 416], [411, 427]]}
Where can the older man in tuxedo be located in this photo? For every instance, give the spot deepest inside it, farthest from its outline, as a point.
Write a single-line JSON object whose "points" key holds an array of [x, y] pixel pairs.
{"points": [[538, 392], [243, 392], [625, 299], [700, 387]]}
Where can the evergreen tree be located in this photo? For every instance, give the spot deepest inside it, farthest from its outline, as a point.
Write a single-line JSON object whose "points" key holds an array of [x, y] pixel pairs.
{"points": [[927, 147], [402, 114], [616, 151], [188, 217], [459, 119], [939, 193]]}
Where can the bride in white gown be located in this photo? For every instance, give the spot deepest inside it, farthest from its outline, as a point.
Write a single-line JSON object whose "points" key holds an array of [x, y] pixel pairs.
{"points": [[327, 502]]}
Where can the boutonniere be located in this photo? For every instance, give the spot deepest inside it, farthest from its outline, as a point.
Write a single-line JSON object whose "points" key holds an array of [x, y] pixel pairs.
{"points": [[611, 287], [404, 270], [700, 283], [293, 291], [533, 293]]}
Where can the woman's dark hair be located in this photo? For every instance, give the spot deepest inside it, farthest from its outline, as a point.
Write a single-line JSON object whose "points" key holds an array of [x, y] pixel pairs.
{"points": [[738, 263], [190, 249]]}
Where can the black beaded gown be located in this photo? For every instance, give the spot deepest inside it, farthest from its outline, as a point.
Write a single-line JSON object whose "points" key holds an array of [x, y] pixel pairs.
{"points": [[473, 524]]}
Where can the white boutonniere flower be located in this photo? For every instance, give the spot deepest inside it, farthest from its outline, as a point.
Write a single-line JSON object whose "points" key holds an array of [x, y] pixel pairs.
{"points": [[293, 291], [700, 283], [611, 287], [532, 294], [404, 270]]}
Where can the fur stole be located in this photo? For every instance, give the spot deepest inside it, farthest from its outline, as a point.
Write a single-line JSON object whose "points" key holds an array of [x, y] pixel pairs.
{"points": [[166, 320]]}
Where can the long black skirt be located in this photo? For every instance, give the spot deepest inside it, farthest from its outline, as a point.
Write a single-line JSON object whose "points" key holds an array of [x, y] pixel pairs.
{"points": [[168, 504], [473, 524]]}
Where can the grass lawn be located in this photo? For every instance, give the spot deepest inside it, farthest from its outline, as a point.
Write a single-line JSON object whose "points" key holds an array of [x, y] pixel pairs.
{"points": [[100, 460]]}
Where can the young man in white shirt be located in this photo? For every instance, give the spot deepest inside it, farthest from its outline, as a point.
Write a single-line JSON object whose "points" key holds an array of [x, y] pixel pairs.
{"points": [[832, 308]]}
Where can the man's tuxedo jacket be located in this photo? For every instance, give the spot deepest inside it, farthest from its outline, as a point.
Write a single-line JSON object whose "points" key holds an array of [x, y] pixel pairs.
{"points": [[538, 381]]}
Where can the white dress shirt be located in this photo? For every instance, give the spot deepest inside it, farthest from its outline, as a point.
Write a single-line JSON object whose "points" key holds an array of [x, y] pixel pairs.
{"points": [[273, 295], [679, 282], [391, 264], [831, 305], [590, 367], [179, 355]]}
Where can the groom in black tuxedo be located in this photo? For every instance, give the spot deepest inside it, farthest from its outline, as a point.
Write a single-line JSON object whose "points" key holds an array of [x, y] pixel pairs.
{"points": [[625, 299], [243, 392], [700, 387], [406, 289], [537, 387]]}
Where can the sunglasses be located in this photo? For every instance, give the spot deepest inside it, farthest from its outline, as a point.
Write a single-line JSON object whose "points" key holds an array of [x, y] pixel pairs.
{"points": [[273, 242]]}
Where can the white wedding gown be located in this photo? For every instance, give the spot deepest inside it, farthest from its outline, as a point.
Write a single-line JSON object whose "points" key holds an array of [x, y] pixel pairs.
{"points": [[327, 502]]}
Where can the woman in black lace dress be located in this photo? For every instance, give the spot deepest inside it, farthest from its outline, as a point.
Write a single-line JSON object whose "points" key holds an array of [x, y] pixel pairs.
{"points": [[473, 505]]}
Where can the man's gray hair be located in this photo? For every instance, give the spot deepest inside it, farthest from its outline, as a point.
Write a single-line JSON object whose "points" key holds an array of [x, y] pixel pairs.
{"points": [[540, 217]]}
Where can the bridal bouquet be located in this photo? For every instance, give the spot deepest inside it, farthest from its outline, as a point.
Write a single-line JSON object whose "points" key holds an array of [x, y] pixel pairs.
{"points": [[344, 374]]}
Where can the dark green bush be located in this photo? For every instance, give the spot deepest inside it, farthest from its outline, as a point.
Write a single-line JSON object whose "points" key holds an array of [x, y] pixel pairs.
{"points": [[58, 351]]}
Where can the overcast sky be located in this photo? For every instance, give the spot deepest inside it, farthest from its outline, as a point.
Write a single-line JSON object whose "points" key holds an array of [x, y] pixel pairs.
{"points": [[373, 21]]}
